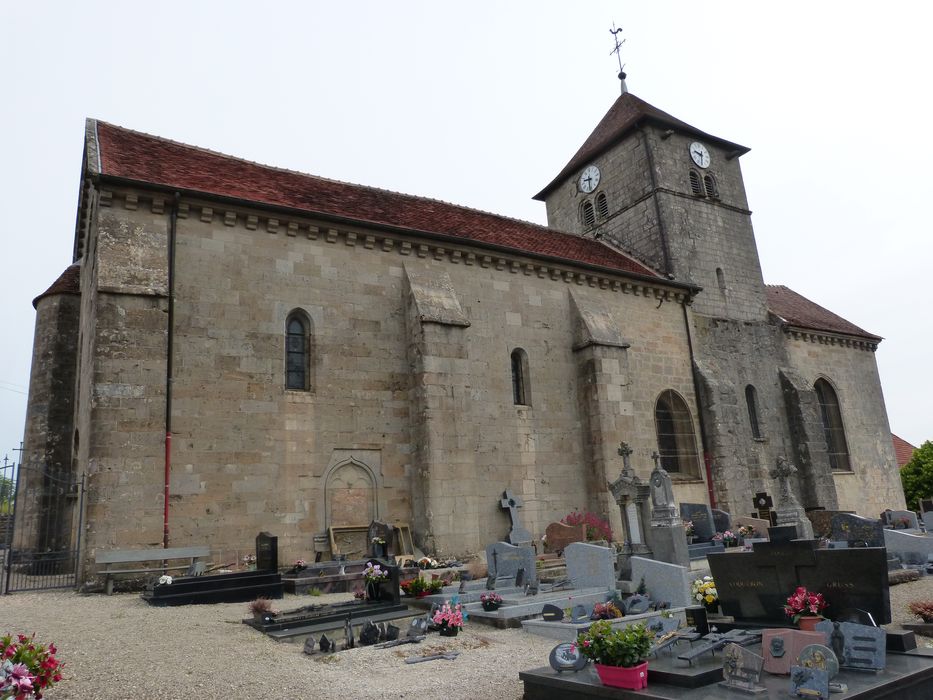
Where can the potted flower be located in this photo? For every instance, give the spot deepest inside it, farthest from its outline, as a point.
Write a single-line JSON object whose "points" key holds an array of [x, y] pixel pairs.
{"points": [[746, 531], [28, 668], [374, 575], [491, 601], [249, 561], [262, 610], [606, 611], [689, 531], [449, 619], [620, 655], [704, 592], [419, 588], [804, 608]]}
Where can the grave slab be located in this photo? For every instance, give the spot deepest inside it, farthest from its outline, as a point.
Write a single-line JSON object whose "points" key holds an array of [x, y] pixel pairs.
{"points": [[514, 612], [590, 566], [567, 631], [504, 560], [909, 547], [667, 582]]}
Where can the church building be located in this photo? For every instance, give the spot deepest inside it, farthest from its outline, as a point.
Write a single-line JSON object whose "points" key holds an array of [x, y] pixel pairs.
{"points": [[239, 348]]}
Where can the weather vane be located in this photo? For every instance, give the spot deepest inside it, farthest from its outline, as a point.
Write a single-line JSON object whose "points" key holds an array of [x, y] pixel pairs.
{"points": [[617, 50]]}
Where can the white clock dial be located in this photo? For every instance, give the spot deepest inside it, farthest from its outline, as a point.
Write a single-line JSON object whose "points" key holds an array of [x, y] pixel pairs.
{"points": [[589, 179], [699, 154]]}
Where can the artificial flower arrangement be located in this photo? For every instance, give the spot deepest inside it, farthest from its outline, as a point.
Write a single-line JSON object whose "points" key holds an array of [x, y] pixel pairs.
{"points": [[448, 616], [428, 563], [689, 530], [249, 559], [374, 573], [596, 527], [28, 668], [608, 646], [300, 564], [747, 531], [728, 538], [377, 540], [803, 603], [606, 611], [704, 591], [490, 601], [418, 587], [165, 580]]}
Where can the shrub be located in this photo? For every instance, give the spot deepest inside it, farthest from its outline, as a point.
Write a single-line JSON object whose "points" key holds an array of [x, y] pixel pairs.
{"points": [[596, 527], [917, 476]]}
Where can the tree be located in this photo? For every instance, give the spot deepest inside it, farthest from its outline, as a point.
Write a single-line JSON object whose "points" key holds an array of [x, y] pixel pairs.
{"points": [[7, 489], [917, 476]]}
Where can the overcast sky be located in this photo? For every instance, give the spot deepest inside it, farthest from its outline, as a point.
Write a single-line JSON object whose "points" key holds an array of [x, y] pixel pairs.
{"points": [[481, 104]]}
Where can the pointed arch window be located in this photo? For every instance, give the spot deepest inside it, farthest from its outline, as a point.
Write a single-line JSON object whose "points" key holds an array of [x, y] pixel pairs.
{"points": [[587, 213], [298, 352], [602, 206], [751, 402], [521, 389], [833, 431], [676, 440]]}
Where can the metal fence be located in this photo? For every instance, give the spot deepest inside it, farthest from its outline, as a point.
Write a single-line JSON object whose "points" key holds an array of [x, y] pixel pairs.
{"points": [[40, 527]]}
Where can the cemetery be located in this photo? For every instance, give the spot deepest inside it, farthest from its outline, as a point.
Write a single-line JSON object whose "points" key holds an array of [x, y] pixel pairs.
{"points": [[759, 604]]}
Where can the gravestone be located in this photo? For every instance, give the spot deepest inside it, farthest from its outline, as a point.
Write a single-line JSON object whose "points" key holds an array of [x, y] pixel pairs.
{"points": [[789, 510], [664, 581], [590, 566], [855, 646], [580, 614], [764, 505], [388, 589], [552, 613], [722, 521], [558, 535], [926, 505], [384, 532], [697, 619], [781, 647], [632, 497], [928, 520], [754, 586], [267, 552], [369, 635], [741, 669], [760, 526], [504, 560], [665, 534], [663, 508], [782, 533], [637, 604], [857, 531], [518, 535], [701, 515], [566, 656], [901, 519]]}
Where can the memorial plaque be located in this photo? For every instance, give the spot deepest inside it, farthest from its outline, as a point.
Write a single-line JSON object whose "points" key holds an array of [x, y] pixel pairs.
{"points": [[855, 646], [701, 515], [580, 614], [558, 535], [741, 669], [857, 531], [822, 521], [552, 613], [754, 586], [809, 682], [696, 618], [567, 657], [781, 647]]}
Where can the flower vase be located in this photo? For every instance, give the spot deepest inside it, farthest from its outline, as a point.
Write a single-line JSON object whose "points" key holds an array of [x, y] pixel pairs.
{"points": [[447, 631], [373, 590], [491, 606], [379, 551], [712, 608], [808, 622], [628, 677]]}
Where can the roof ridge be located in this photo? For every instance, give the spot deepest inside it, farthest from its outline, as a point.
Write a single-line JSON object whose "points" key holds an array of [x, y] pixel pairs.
{"points": [[373, 188]]}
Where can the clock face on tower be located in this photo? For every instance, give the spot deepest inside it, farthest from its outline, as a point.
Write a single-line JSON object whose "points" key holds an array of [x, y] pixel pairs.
{"points": [[699, 154], [589, 179]]}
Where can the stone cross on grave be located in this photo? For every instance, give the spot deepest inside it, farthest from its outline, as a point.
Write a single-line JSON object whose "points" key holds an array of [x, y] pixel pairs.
{"points": [[626, 453], [518, 535], [663, 510], [789, 511]]}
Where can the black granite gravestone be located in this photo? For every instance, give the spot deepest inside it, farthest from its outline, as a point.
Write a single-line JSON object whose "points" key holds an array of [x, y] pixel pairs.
{"points": [[722, 521], [754, 586], [377, 531], [857, 531], [701, 515], [267, 552]]}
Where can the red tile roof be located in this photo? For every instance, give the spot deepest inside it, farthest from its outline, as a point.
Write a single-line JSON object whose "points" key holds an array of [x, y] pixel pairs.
{"points": [[796, 310], [69, 282], [626, 113], [140, 157], [903, 450]]}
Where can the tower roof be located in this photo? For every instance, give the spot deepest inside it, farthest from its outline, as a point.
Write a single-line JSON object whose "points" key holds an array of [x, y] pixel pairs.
{"points": [[626, 114], [133, 157], [69, 282], [796, 310]]}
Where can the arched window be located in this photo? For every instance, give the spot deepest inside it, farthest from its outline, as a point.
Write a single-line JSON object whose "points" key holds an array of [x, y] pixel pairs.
{"points": [[521, 389], [587, 215], [709, 183], [751, 401], [695, 186], [297, 352], [676, 441], [602, 205], [833, 430]]}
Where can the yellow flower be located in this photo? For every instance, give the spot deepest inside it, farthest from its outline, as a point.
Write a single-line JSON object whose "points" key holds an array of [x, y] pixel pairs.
{"points": [[710, 599]]}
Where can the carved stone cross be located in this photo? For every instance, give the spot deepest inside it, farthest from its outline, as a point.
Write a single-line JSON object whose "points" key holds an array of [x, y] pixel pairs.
{"points": [[518, 535], [626, 452]]}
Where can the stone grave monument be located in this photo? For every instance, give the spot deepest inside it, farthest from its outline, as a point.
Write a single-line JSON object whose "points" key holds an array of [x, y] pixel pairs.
{"points": [[558, 535], [518, 534], [665, 535], [856, 531], [503, 561], [590, 566], [267, 552], [631, 495], [789, 511], [379, 530]]}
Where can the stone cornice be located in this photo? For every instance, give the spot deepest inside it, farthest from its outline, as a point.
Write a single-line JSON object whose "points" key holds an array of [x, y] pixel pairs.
{"points": [[453, 252], [812, 335]]}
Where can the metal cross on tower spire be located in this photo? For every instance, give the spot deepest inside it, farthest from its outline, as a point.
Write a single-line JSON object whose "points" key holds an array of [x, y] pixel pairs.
{"points": [[618, 52]]}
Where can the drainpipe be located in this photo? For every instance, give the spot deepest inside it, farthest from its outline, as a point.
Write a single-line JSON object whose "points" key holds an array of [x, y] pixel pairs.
{"points": [[173, 222], [707, 465]]}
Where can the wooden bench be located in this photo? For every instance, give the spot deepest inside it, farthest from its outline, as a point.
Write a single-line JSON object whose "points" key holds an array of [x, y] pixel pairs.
{"points": [[161, 557]]}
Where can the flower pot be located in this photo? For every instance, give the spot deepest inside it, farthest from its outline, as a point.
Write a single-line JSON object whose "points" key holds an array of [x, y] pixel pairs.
{"points": [[373, 591], [449, 631], [490, 606], [809, 622], [712, 608], [690, 539], [631, 678]]}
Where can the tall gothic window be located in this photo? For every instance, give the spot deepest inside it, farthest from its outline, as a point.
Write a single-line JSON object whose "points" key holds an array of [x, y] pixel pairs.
{"points": [[676, 441], [521, 390], [833, 430], [751, 402], [297, 352]]}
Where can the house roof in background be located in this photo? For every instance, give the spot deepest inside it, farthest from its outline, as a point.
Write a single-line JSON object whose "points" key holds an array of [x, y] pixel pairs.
{"points": [[903, 449]]}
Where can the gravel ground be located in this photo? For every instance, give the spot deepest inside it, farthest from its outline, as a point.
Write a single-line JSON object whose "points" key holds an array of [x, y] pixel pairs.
{"points": [[118, 647]]}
